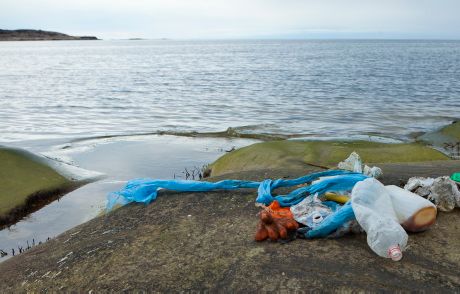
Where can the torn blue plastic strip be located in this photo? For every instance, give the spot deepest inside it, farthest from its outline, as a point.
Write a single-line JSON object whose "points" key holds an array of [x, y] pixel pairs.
{"points": [[145, 190], [344, 182]]}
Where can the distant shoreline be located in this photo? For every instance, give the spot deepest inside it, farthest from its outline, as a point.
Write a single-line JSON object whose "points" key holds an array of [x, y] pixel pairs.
{"points": [[38, 35]]}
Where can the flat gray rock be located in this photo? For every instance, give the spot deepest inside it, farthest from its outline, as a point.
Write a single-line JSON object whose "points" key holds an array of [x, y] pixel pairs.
{"points": [[204, 241]]}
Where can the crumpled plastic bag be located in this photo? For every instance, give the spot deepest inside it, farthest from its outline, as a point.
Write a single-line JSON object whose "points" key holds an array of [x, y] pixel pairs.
{"points": [[442, 191], [445, 194], [420, 186], [334, 225], [455, 177], [352, 163], [355, 164], [311, 211], [324, 218]]}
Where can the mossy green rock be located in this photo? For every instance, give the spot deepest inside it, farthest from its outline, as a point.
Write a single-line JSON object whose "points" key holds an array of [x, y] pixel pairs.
{"points": [[446, 139], [452, 130], [23, 174], [298, 154]]}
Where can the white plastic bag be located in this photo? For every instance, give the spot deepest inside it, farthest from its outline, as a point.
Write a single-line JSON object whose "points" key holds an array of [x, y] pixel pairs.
{"points": [[354, 163], [310, 210], [445, 193], [419, 185], [442, 191]]}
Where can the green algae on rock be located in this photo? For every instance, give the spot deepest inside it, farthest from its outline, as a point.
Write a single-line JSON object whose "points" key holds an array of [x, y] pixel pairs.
{"points": [[447, 139], [452, 130], [26, 179], [298, 154]]}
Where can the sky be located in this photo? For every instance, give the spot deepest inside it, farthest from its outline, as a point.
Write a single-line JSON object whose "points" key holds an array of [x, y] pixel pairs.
{"points": [[234, 19]]}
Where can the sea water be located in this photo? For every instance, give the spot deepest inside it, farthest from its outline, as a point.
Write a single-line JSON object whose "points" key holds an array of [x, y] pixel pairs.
{"points": [[316, 89]]}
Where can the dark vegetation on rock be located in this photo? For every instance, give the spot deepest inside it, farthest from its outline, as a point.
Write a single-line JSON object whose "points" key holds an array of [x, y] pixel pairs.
{"points": [[37, 35]]}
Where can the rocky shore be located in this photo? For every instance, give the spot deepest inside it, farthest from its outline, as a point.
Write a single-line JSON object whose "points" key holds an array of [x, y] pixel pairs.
{"points": [[38, 35], [442, 144], [204, 241], [28, 182]]}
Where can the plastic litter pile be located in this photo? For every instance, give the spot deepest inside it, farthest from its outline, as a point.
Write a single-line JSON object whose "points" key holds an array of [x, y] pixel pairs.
{"points": [[328, 204]]}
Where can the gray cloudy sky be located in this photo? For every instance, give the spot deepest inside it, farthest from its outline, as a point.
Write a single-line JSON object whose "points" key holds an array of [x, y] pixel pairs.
{"points": [[238, 18]]}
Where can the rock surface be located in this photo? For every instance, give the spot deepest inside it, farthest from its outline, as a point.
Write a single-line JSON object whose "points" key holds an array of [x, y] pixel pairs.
{"points": [[26, 182], [36, 35], [204, 241], [447, 139], [300, 154]]}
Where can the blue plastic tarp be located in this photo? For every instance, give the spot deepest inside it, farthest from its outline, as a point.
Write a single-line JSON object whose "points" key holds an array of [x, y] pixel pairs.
{"points": [[342, 182], [145, 190]]}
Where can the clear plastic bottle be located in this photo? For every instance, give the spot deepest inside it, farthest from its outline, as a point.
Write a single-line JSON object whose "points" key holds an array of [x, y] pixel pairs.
{"points": [[374, 211]]}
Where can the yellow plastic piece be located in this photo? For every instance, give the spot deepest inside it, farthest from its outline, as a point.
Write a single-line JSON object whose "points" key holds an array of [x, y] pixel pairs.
{"points": [[336, 197]]}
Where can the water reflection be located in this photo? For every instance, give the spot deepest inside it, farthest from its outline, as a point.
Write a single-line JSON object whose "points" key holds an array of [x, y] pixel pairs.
{"points": [[120, 159]]}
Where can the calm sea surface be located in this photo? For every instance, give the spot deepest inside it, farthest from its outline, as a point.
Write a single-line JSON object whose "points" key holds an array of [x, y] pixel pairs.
{"points": [[326, 89]]}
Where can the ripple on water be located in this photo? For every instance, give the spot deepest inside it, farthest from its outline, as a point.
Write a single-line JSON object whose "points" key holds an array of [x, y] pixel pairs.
{"points": [[316, 88]]}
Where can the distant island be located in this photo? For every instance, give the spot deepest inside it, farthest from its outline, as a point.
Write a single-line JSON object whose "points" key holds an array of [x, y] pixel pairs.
{"points": [[37, 35]]}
